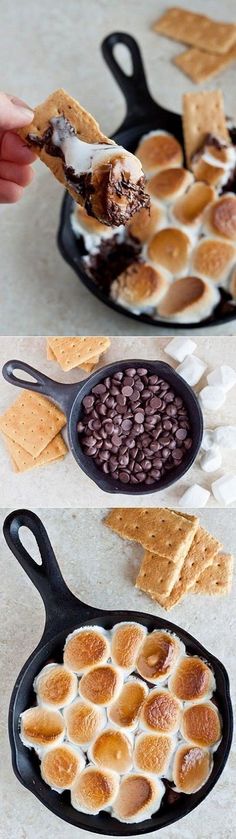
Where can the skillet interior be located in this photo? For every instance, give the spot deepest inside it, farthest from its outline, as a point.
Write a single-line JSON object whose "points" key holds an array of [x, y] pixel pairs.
{"points": [[143, 115]]}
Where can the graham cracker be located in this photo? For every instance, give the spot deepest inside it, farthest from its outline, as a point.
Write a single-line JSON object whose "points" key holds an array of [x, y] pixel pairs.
{"points": [[159, 530], [87, 366], [32, 421], [201, 555], [217, 579], [23, 461], [197, 30], [203, 113], [74, 351], [59, 103], [201, 66], [158, 574]]}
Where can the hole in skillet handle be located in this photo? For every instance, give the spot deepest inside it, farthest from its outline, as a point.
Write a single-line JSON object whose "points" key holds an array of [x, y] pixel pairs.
{"points": [[174, 806], [165, 371], [143, 115]]}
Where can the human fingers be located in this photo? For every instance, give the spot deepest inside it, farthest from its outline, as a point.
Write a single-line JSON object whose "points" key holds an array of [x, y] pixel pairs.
{"points": [[13, 112], [15, 149]]}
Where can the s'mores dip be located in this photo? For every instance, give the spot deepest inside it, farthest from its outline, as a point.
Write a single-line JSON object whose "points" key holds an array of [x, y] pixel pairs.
{"points": [[125, 721], [175, 260]]}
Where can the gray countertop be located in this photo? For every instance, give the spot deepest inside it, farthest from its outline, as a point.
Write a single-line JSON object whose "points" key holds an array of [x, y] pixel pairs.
{"points": [[101, 569], [53, 45]]}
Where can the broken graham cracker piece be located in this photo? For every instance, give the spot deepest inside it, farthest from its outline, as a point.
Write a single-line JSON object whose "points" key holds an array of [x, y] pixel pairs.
{"points": [[158, 574], [32, 421], [201, 66], [102, 177], [203, 113], [87, 366], [23, 461], [217, 579], [158, 530], [200, 555], [72, 351], [196, 30]]}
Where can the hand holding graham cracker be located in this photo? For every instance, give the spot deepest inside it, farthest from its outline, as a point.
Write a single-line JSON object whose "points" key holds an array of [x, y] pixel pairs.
{"points": [[180, 556], [102, 177]]}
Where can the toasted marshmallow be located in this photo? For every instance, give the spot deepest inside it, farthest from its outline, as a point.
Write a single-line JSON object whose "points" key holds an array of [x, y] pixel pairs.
{"points": [[158, 656], [192, 680], [159, 150], [170, 248], [152, 753], [140, 287], [126, 641], [55, 686], [101, 685], [213, 258], [83, 722], [232, 287], [92, 230], [191, 768], [125, 711], [201, 724], [220, 217], [86, 647], [143, 225], [188, 209], [60, 766], [169, 184], [138, 798], [161, 712], [94, 790], [41, 727], [189, 299], [112, 750]]}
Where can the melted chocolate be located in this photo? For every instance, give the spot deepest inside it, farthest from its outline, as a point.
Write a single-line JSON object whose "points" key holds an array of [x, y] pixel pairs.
{"points": [[112, 258]]}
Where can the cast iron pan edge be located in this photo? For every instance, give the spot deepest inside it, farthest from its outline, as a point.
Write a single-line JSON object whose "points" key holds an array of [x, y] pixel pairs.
{"points": [[143, 115], [58, 601]]}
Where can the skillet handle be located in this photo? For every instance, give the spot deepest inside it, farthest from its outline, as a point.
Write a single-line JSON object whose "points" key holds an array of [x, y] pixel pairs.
{"points": [[134, 87], [64, 394], [61, 606]]}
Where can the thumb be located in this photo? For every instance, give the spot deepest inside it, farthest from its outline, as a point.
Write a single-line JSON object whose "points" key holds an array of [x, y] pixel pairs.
{"points": [[13, 112]]}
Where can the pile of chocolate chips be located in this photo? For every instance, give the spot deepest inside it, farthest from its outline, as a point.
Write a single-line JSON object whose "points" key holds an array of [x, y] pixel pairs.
{"points": [[134, 426]]}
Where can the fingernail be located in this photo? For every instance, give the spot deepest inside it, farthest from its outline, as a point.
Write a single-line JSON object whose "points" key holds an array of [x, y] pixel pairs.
{"points": [[22, 105]]}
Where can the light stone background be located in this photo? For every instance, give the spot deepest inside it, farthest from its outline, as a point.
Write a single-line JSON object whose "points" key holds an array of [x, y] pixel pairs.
{"points": [[45, 46], [63, 484], [101, 569]]}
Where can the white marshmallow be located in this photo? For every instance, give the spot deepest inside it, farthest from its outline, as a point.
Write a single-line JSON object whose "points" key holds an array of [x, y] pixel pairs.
{"points": [[179, 348], [195, 496], [191, 369], [212, 398], [225, 436], [224, 489], [224, 376], [211, 460], [208, 440]]}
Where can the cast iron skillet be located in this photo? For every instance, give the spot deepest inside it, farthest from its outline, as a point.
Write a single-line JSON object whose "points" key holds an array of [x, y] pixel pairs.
{"points": [[70, 396], [143, 115], [65, 613]]}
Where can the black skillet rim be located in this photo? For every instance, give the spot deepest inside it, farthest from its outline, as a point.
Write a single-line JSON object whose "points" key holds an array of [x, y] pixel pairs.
{"points": [[113, 827]]}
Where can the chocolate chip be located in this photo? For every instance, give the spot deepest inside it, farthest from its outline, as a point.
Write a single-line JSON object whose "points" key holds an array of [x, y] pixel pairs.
{"points": [[134, 427]]}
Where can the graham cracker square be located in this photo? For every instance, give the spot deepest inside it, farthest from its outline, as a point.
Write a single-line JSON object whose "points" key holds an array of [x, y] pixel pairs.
{"points": [[159, 530], [72, 351], [217, 579], [23, 461], [32, 421]]}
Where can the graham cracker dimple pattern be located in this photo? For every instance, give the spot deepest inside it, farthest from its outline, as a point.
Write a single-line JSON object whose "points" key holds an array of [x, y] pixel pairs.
{"points": [[157, 574], [158, 530], [32, 421], [196, 29], [87, 366], [201, 555], [23, 461], [74, 351], [217, 579], [203, 113], [201, 66]]}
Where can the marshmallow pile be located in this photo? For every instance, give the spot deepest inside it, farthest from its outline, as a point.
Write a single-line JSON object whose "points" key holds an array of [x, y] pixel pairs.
{"points": [[212, 397]]}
